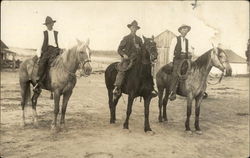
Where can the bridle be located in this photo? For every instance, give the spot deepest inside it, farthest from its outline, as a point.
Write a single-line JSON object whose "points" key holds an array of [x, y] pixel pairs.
{"points": [[222, 74], [84, 62], [88, 60], [149, 49]]}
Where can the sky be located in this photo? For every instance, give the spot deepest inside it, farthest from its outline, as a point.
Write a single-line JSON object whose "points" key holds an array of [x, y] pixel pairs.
{"points": [[105, 22]]}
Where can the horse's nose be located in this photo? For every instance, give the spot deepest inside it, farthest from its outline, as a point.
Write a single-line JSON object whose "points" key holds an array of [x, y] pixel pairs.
{"points": [[87, 69]]}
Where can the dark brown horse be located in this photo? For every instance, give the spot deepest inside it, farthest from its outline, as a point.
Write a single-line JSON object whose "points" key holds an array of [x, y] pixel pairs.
{"points": [[138, 82], [61, 79], [194, 86]]}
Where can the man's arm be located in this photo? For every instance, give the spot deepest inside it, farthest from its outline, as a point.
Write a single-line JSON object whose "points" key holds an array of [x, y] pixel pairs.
{"points": [[171, 49], [39, 46], [122, 46]]}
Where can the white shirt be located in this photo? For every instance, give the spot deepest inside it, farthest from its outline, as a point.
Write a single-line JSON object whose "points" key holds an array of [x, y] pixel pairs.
{"points": [[183, 47], [51, 41]]}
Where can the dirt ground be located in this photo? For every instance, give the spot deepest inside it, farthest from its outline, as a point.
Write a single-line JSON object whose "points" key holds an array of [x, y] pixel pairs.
{"points": [[224, 121]]}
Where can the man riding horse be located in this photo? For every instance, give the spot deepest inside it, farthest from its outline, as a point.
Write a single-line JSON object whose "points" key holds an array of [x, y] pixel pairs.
{"points": [[180, 48], [47, 52], [129, 49]]}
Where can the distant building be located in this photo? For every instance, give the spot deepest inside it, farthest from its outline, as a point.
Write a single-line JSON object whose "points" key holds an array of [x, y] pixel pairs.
{"points": [[237, 63], [7, 57], [163, 42]]}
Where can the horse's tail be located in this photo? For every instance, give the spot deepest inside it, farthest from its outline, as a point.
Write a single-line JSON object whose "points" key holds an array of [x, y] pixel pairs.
{"points": [[27, 93], [110, 75], [24, 83]]}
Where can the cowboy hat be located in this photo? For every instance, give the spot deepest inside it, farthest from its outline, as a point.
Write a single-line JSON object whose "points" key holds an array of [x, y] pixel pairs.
{"points": [[134, 23], [184, 26], [49, 20]]}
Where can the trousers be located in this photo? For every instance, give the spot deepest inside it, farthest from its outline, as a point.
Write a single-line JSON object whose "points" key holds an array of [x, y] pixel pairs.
{"points": [[47, 57]]}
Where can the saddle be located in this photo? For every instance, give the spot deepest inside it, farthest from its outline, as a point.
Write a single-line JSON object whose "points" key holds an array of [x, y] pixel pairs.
{"points": [[168, 69], [183, 70]]}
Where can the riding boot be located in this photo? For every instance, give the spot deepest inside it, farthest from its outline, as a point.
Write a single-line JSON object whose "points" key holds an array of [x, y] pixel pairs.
{"points": [[173, 92], [116, 92], [37, 88], [154, 93], [118, 83]]}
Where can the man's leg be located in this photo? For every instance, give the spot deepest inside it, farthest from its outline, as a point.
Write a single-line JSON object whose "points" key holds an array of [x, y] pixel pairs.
{"points": [[41, 69], [118, 82], [120, 76], [175, 80]]}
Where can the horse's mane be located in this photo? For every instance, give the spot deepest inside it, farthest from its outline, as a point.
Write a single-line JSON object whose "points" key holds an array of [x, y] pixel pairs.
{"points": [[64, 57], [202, 60]]}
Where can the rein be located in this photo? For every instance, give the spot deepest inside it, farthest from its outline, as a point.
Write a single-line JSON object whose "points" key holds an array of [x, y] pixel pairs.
{"points": [[221, 76], [183, 77], [81, 62], [219, 81]]}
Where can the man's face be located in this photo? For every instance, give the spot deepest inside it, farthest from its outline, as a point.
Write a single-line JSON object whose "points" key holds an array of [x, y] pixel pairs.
{"points": [[184, 31], [50, 26], [133, 29]]}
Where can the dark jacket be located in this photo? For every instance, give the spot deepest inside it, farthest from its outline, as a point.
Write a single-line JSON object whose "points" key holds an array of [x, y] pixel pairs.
{"points": [[45, 40], [127, 46], [177, 50]]}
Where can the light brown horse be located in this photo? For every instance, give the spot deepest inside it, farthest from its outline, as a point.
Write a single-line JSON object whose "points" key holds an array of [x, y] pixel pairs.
{"points": [[194, 86], [61, 79]]}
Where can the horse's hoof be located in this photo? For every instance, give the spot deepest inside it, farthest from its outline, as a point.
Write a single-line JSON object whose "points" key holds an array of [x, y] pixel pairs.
{"points": [[35, 124], [198, 132], [151, 133], [112, 121], [165, 119], [63, 128], [160, 119], [126, 130], [53, 128], [23, 124], [189, 132]]}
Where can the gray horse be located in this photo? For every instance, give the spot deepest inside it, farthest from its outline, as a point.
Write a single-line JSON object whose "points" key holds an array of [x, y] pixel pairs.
{"points": [[60, 80], [194, 86]]}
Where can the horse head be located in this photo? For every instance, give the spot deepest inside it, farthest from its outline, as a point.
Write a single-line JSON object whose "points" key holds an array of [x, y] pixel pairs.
{"points": [[84, 57], [150, 47], [219, 59]]}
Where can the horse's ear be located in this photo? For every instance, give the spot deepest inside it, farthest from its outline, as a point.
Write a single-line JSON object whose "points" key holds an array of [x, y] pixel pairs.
{"points": [[87, 42], [215, 49], [78, 41], [153, 37], [144, 38]]}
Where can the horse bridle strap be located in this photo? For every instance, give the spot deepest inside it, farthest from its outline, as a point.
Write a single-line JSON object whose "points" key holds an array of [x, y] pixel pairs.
{"points": [[221, 76], [219, 81]]}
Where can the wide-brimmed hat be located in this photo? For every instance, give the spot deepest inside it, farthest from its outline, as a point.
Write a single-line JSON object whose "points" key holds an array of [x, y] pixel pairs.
{"points": [[134, 23], [49, 20], [184, 26]]}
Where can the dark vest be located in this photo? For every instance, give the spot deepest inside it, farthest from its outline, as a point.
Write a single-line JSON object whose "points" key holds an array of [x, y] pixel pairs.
{"points": [[177, 50], [46, 40]]}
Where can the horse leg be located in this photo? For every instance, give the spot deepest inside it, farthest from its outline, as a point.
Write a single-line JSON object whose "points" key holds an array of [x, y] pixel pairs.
{"points": [[34, 103], [189, 111], [165, 102], [112, 106], [146, 113], [160, 95], [198, 101], [25, 94], [66, 97], [129, 110], [57, 96]]}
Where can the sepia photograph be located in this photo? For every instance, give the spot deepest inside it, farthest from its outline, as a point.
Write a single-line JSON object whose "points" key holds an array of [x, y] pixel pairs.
{"points": [[125, 79]]}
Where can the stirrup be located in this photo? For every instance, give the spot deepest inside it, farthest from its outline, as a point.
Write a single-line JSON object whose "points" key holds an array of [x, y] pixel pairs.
{"points": [[172, 96], [37, 84], [116, 93], [154, 93]]}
